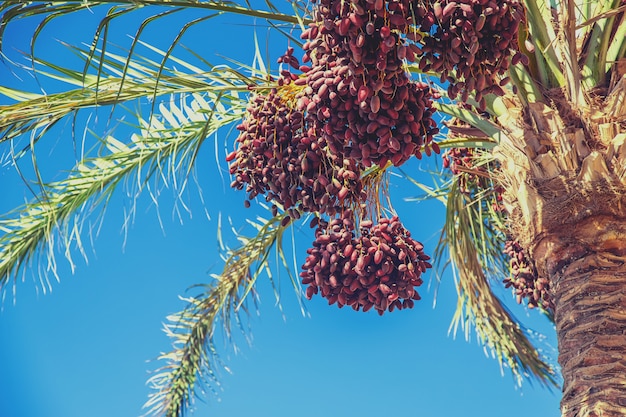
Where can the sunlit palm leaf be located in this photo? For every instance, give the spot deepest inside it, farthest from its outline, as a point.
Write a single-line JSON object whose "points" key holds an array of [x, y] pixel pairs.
{"points": [[118, 82], [593, 70], [165, 149], [491, 130], [192, 362], [12, 10], [473, 238], [539, 19]]}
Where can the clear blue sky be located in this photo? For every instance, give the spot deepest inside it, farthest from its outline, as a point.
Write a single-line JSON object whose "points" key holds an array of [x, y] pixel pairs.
{"points": [[86, 348]]}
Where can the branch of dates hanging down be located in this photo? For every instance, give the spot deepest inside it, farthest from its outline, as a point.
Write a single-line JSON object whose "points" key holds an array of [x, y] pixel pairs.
{"points": [[320, 138]]}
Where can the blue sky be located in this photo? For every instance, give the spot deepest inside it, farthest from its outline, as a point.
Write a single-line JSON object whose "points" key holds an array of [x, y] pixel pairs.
{"points": [[86, 348]]}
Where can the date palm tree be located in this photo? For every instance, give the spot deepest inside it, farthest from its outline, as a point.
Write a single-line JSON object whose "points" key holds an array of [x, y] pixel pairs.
{"points": [[533, 130]]}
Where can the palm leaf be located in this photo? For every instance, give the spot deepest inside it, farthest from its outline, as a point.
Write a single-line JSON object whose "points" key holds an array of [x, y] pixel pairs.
{"points": [[118, 81], [539, 18], [471, 243], [12, 10], [599, 40], [474, 247], [491, 130], [472, 240], [192, 361], [166, 148]]}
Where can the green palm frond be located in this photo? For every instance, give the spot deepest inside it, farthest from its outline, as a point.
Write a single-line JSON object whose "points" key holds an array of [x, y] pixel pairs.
{"points": [[546, 55], [472, 240], [528, 89], [601, 37], [12, 10], [192, 361], [118, 81], [490, 129], [165, 149], [576, 44], [171, 133]]}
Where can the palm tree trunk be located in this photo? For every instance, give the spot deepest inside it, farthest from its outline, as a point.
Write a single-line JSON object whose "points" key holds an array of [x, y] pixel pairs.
{"points": [[586, 263], [565, 182]]}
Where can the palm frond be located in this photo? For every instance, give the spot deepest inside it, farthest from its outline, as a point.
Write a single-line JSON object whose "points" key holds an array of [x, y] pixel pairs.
{"points": [[616, 51], [166, 149], [494, 132], [528, 90], [13, 10], [118, 81], [596, 46], [471, 243], [539, 20], [474, 248], [191, 363]]}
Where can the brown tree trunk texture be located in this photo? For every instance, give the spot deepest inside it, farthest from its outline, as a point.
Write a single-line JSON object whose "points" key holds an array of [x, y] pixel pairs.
{"points": [[586, 263], [564, 172]]}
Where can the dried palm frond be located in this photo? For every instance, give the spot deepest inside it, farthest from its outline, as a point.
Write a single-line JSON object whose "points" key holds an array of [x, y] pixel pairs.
{"points": [[475, 249]]}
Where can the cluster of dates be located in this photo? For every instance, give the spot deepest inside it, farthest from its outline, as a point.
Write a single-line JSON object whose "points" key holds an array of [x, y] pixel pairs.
{"points": [[305, 144], [277, 158], [357, 86], [471, 44], [380, 268], [349, 104], [524, 279]]}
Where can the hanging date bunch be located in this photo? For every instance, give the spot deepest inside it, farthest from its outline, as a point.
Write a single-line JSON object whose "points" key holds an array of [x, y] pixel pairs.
{"points": [[304, 144], [524, 280], [462, 163], [277, 156], [267, 153], [359, 90], [471, 44], [379, 267], [347, 106]]}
